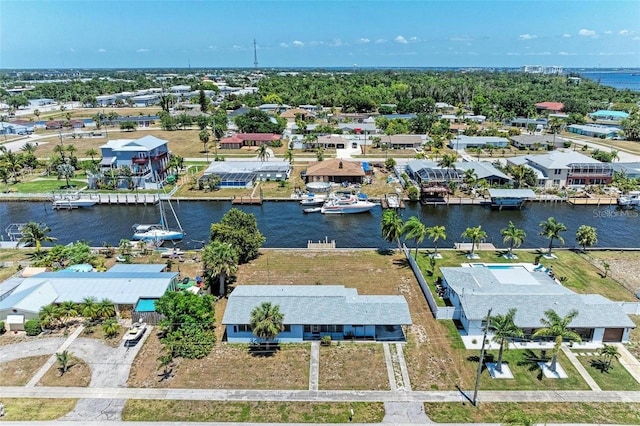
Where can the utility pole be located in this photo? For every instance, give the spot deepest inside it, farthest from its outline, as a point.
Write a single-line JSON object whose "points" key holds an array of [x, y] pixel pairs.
{"points": [[481, 362]]}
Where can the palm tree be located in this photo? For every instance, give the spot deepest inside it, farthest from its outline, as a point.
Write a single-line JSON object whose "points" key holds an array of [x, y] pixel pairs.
{"points": [[504, 328], [448, 161], [263, 152], [110, 327], [555, 125], [514, 236], [320, 153], [125, 248], [615, 155], [436, 233], [36, 234], [106, 309], [414, 228], [220, 260], [36, 112], [470, 178], [91, 152], [609, 353], [204, 138], [552, 229], [266, 321], [66, 171], [90, 308], [67, 310], [391, 226], [557, 327], [48, 315], [586, 236], [518, 173], [289, 156], [63, 359], [28, 148], [474, 234]]}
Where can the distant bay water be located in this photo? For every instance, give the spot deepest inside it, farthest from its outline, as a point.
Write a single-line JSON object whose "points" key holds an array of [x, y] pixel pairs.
{"points": [[619, 79], [285, 225]]}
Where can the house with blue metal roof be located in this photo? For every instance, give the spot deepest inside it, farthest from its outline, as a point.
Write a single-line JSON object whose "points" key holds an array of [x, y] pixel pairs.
{"points": [[313, 311], [124, 285], [475, 289]]}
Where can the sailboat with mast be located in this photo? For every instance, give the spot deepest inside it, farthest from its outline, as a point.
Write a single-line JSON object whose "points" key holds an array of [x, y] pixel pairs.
{"points": [[159, 232]]}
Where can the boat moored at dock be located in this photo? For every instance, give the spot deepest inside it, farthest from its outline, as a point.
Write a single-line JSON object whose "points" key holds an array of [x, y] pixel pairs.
{"points": [[346, 203], [629, 200]]}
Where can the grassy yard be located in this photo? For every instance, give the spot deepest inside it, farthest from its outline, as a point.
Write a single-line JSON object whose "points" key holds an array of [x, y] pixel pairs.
{"points": [[617, 378], [353, 366], [31, 409], [13, 255], [20, 371], [78, 375], [263, 411], [556, 412], [46, 185], [634, 339]]}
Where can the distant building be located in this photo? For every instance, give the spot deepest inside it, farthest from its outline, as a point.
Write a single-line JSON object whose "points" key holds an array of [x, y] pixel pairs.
{"points": [[401, 141], [465, 142], [606, 116], [234, 174], [335, 170], [535, 142], [550, 107], [14, 129], [594, 130], [542, 69], [239, 140]]}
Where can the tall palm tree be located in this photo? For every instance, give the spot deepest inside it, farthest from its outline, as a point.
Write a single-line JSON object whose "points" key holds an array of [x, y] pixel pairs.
{"points": [[448, 161], [89, 308], [28, 148], [63, 358], [518, 173], [91, 152], [266, 321], [586, 236], [263, 152], [552, 229], [67, 310], [204, 138], [125, 247], [391, 226], [514, 236], [289, 156], [474, 234], [615, 155], [220, 260], [436, 233], [557, 327], [470, 178], [48, 315], [504, 328], [414, 228], [36, 234]]}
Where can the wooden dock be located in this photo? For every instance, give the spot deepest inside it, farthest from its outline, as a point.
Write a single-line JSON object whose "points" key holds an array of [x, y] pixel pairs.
{"points": [[321, 245], [247, 200]]}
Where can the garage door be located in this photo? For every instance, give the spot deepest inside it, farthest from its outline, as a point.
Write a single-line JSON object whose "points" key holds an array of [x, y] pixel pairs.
{"points": [[613, 334]]}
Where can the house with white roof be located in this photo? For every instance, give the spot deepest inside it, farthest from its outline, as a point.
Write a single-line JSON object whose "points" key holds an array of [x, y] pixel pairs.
{"points": [[147, 157], [465, 142], [566, 168], [313, 311], [124, 285], [532, 291]]}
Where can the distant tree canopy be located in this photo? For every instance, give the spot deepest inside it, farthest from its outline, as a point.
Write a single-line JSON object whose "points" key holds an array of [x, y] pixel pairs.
{"points": [[240, 229], [256, 121], [59, 257]]}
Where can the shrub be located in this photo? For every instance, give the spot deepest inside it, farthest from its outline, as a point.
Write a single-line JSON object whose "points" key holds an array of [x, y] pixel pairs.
{"points": [[325, 340], [413, 193], [32, 327], [2, 330]]}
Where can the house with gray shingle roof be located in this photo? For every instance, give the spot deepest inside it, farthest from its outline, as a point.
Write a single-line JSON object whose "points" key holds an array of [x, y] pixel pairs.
{"points": [[313, 311], [474, 290]]}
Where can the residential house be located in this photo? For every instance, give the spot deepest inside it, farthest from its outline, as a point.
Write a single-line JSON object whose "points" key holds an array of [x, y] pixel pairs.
{"points": [[313, 311], [105, 100], [273, 108], [594, 130], [139, 120], [536, 123], [428, 173], [536, 142], [239, 140], [332, 142], [234, 174], [465, 142], [630, 170], [401, 141], [14, 129], [293, 113], [335, 170], [147, 157], [123, 284], [605, 116], [562, 168], [531, 291], [54, 124], [145, 100], [549, 107]]}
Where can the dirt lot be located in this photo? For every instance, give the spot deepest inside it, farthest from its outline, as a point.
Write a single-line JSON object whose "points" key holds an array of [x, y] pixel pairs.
{"points": [[625, 266], [353, 366], [18, 372]]}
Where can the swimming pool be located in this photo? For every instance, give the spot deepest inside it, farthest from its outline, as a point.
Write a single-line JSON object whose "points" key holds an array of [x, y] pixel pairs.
{"points": [[146, 305], [482, 265]]}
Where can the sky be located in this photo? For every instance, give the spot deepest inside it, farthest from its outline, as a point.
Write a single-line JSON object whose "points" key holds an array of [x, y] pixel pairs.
{"points": [[318, 33]]}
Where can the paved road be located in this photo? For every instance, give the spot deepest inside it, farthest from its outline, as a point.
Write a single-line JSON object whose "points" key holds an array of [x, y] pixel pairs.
{"points": [[624, 156], [121, 423]]}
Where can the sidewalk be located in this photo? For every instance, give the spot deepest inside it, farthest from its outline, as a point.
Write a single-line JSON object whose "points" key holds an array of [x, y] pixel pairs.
{"points": [[52, 359]]}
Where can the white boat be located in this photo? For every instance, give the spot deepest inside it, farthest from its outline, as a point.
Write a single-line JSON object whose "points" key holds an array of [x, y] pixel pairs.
{"points": [[312, 210], [393, 200], [315, 201], [136, 330], [630, 199], [158, 232], [345, 203], [72, 200]]}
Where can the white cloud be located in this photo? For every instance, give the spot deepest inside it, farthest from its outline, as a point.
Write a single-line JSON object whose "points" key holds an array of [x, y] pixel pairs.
{"points": [[285, 45], [586, 33], [538, 53], [624, 32], [565, 35], [513, 54], [142, 50], [566, 54], [608, 32], [381, 41], [414, 39], [527, 36], [297, 43], [212, 47], [336, 42], [101, 50], [461, 38], [400, 40], [237, 47], [364, 40]]}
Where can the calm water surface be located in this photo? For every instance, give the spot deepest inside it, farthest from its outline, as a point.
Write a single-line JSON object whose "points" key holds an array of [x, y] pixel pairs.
{"points": [[284, 224]]}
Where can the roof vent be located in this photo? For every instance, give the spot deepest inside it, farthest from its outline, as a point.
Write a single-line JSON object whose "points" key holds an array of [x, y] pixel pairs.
{"points": [[340, 165]]}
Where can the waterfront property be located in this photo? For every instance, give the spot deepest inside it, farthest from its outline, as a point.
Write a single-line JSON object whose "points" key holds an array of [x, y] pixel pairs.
{"points": [[147, 158], [506, 198], [428, 173], [562, 168], [594, 130], [536, 142], [335, 170], [124, 285], [531, 290], [630, 170], [606, 116], [239, 140], [313, 311], [234, 174]]}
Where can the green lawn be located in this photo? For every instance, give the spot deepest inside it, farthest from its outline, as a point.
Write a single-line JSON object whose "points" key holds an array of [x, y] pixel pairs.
{"points": [[557, 412], [617, 378], [31, 409], [45, 185]]}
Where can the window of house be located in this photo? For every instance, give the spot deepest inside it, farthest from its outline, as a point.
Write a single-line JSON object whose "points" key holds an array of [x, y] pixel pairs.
{"points": [[286, 328], [242, 328]]}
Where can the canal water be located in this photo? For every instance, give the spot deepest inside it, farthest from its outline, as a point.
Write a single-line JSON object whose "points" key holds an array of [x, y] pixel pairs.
{"points": [[285, 225]]}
